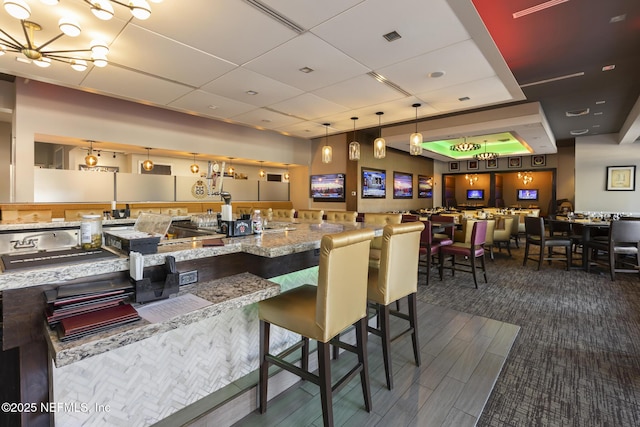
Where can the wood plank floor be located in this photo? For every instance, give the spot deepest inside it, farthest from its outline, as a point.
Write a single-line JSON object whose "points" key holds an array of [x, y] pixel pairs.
{"points": [[462, 356]]}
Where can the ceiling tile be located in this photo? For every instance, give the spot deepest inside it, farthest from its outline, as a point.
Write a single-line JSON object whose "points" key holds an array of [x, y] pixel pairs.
{"points": [[358, 92], [309, 13], [210, 105], [481, 92], [263, 118], [308, 106], [329, 64]]}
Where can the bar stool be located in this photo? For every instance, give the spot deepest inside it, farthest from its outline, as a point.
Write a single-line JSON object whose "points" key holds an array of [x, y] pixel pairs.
{"points": [[396, 278], [321, 313]]}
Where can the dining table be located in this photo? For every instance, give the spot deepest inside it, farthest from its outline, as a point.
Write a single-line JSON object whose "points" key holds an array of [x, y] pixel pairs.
{"points": [[588, 229]]}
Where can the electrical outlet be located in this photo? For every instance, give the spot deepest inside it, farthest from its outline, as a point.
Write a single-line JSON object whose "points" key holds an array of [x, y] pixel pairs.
{"points": [[188, 277]]}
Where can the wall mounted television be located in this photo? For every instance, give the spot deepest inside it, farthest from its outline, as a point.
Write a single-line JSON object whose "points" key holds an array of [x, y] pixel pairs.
{"points": [[374, 183], [527, 194], [425, 187], [328, 187], [402, 185], [475, 194]]}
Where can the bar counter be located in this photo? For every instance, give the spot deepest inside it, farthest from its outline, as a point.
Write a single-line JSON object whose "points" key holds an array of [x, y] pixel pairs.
{"points": [[167, 366]]}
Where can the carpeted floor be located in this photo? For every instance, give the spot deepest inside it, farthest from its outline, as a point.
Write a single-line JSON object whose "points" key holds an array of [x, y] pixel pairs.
{"points": [[576, 361]]}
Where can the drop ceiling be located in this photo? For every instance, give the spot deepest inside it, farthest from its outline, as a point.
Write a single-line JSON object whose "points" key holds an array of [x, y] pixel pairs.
{"points": [[231, 61]]}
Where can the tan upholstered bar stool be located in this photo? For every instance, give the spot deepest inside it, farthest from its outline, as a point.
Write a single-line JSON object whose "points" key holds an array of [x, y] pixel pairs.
{"points": [[396, 278], [321, 313], [376, 244]]}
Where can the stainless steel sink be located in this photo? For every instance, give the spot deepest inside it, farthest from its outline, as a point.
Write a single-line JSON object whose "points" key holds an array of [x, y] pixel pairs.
{"points": [[38, 240]]}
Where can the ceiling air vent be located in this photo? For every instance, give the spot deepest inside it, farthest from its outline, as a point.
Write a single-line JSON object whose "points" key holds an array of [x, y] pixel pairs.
{"points": [[392, 36], [275, 15], [577, 113], [578, 132]]}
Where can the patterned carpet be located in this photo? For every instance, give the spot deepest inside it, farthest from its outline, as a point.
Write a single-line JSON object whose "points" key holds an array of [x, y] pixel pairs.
{"points": [[576, 361]]}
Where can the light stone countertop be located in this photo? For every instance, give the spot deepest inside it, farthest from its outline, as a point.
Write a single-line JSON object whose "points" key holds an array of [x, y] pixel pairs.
{"points": [[284, 239], [225, 294]]}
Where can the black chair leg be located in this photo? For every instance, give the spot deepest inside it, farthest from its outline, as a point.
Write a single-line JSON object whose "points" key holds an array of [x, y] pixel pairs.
{"points": [[472, 260], [304, 363], [526, 254], [383, 313], [264, 365], [361, 340], [413, 323], [324, 373]]}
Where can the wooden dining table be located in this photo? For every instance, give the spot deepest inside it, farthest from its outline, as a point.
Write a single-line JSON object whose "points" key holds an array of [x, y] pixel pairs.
{"points": [[588, 227]]}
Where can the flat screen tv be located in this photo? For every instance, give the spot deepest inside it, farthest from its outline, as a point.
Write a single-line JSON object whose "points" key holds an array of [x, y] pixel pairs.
{"points": [[328, 187], [425, 187], [527, 194], [402, 185], [374, 183], [475, 194]]}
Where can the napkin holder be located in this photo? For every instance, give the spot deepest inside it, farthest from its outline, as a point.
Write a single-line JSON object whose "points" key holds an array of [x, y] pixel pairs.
{"points": [[158, 283]]}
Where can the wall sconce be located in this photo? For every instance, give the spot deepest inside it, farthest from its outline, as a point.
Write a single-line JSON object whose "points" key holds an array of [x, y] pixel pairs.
{"points": [[379, 144], [147, 164], [194, 168], [90, 160], [327, 151], [472, 179]]}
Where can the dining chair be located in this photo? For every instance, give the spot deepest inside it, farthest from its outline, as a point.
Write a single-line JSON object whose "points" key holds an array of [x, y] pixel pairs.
{"points": [[502, 233], [623, 248], [430, 248], [448, 232], [394, 279], [535, 235], [320, 313], [473, 250]]}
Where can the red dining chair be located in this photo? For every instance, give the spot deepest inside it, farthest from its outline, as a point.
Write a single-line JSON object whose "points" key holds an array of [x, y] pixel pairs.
{"points": [[447, 234], [474, 250], [429, 247]]}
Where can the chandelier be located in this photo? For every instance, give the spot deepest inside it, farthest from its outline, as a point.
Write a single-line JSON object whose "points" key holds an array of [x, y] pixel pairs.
{"points": [[486, 155], [40, 53], [472, 179], [465, 146], [526, 177]]}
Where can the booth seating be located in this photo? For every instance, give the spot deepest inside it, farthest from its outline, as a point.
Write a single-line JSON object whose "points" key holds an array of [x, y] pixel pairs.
{"points": [[135, 212], [244, 210], [283, 215], [376, 243], [321, 313], [310, 216], [341, 216], [175, 211], [77, 214], [473, 250], [394, 278]]}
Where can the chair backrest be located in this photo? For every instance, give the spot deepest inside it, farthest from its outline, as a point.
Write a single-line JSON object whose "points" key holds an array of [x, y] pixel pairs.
{"points": [[342, 280], [479, 233], [341, 216], [426, 236], [624, 232], [310, 216], [445, 218], [410, 218], [534, 226], [504, 225], [381, 219], [398, 272], [491, 226]]}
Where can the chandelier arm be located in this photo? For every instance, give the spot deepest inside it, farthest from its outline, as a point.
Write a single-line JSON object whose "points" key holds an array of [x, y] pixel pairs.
{"points": [[28, 35], [43, 45], [14, 43], [54, 52]]}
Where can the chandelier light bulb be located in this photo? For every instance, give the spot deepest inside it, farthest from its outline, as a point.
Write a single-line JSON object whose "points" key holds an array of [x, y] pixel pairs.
{"points": [[99, 47], [49, 2], [102, 9], [42, 62], [19, 9], [69, 27], [99, 60], [79, 64], [140, 9], [90, 160]]}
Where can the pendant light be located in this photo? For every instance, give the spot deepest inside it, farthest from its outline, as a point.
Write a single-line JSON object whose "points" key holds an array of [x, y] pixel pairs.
{"points": [[354, 146], [147, 164], [286, 174], [231, 169], [194, 168], [379, 144], [262, 173], [327, 151], [486, 155], [90, 160], [415, 140]]}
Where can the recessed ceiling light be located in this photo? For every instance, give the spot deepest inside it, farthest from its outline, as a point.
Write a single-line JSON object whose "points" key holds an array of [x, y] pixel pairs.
{"points": [[618, 18], [600, 102], [579, 132], [436, 74], [212, 107], [306, 70], [608, 67], [392, 36], [599, 113], [595, 126], [251, 92], [464, 98]]}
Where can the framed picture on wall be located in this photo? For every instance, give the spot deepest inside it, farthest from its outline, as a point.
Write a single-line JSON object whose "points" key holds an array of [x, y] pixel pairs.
{"points": [[454, 166], [515, 162], [472, 165], [492, 164], [539, 160], [402, 185], [621, 178]]}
